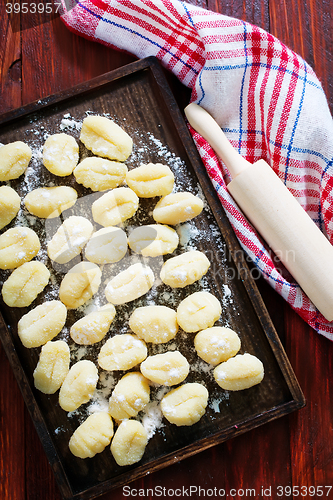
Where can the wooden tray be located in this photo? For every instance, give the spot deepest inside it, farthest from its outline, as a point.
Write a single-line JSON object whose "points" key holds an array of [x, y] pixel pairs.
{"points": [[138, 98]]}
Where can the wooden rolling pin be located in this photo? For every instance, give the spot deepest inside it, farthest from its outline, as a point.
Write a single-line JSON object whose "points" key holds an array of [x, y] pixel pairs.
{"points": [[275, 213]]}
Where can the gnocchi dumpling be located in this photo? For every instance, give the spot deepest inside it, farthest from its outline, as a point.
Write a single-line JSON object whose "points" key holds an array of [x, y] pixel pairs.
{"points": [[198, 311], [186, 404], [115, 206], [42, 323], [153, 240], [79, 385], [9, 205], [50, 202], [100, 174], [106, 246], [184, 269], [130, 395], [216, 344], [80, 284], [122, 352], [130, 284], [105, 138], [14, 160], [25, 283], [17, 246], [92, 436], [155, 324], [52, 367], [69, 239], [239, 373], [94, 326], [129, 442], [153, 179], [177, 207], [169, 368], [60, 154]]}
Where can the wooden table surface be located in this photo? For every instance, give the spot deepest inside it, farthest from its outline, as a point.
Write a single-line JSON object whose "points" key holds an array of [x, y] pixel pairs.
{"points": [[293, 453]]}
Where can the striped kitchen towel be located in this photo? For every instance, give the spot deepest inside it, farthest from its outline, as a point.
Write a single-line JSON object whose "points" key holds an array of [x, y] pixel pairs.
{"points": [[266, 98]]}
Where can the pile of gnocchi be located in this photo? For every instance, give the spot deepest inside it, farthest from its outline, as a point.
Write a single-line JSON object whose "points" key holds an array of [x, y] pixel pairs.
{"points": [[185, 403]]}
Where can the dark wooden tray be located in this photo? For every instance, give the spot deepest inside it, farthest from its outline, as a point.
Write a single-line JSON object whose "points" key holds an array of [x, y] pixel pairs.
{"points": [[139, 99]]}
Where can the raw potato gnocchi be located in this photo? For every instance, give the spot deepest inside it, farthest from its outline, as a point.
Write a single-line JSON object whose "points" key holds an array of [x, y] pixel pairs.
{"points": [[130, 284], [14, 160], [177, 207], [50, 202], [80, 284], [153, 240], [130, 395], [60, 154], [239, 373], [169, 368], [198, 311], [25, 283], [122, 352], [69, 240], [92, 436], [156, 324], [42, 323], [184, 269], [216, 344], [129, 442], [115, 206], [153, 179], [9, 205], [17, 246], [105, 138], [100, 174], [79, 385], [94, 326], [186, 404], [52, 367], [107, 246]]}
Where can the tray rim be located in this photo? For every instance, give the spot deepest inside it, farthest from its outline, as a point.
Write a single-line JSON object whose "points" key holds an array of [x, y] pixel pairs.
{"points": [[237, 254]]}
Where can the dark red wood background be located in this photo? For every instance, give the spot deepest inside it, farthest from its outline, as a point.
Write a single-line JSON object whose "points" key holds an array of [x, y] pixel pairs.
{"points": [[293, 451]]}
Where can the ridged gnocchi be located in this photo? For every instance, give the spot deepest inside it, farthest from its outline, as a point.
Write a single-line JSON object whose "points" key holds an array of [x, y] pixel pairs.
{"points": [[216, 344], [9, 205], [80, 284], [153, 240], [184, 269], [105, 138], [52, 367], [25, 283], [50, 202], [107, 246], [122, 352], [239, 373], [177, 207], [155, 324], [186, 404], [129, 442], [198, 311], [60, 154], [92, 436], [94, 326], [79, 385], [130, 395], [100, 174], [153, 179], [69, 239], [169, 368], [14, 160], [17, 246], [130, 284], [115, 206], [42, 323]]}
